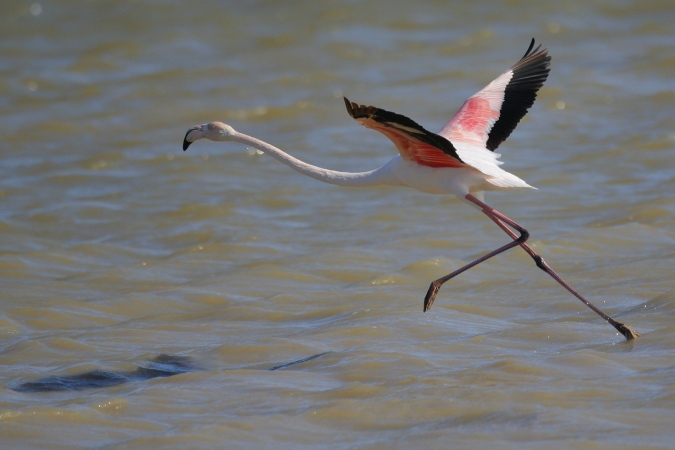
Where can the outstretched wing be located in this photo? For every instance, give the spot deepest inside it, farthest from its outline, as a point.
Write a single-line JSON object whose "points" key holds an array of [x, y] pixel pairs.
{"points": [[413, 142], [488, 117]]}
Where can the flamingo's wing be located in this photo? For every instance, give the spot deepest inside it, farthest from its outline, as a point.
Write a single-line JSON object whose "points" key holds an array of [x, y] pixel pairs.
{"points": [[487, 118], [413, 142]]}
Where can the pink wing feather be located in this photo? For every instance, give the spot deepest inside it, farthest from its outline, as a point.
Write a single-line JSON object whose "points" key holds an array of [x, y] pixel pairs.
{"points": [[484, 121], [488, 117], [413, 142]]}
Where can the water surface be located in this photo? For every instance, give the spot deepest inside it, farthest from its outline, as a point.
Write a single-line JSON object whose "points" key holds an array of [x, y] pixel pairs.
{"points": [[117, 247]]}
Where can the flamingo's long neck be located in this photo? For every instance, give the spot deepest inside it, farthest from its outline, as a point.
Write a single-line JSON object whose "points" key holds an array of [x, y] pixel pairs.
{"points": [[371, 178]]}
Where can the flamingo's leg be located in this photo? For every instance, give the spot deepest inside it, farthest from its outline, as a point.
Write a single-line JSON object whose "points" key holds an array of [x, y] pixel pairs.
{"points": [[504, 223]]}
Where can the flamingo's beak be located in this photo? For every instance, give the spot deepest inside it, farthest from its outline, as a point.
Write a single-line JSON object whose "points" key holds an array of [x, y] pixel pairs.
{"points": [[187, 140]]}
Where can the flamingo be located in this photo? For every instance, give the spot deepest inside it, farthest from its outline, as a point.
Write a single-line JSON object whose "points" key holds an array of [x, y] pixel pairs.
{"points": [[459, 160]]}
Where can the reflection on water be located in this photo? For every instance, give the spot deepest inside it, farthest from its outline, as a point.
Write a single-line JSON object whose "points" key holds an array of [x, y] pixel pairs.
{"points": [[159, 367], [117, 247]]}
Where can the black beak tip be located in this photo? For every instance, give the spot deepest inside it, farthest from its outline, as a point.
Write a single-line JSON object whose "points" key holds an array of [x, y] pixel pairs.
{"points": [[187, 143]]}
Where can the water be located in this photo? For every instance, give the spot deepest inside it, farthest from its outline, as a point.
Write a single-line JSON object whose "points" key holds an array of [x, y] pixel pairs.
{"points": [[117, 247]]}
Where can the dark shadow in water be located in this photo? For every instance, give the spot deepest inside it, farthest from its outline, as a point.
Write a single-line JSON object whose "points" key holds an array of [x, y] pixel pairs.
{"points": [[161, 366]]}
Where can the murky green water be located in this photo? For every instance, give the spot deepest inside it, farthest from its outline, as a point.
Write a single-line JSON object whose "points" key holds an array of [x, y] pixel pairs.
{"points": [[117, 247]]}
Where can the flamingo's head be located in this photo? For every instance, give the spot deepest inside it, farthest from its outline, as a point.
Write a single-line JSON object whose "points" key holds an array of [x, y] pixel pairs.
{"points": [[215, 131]]}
